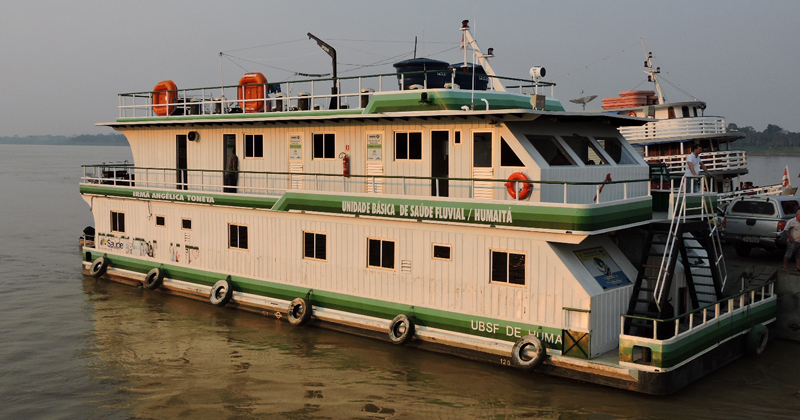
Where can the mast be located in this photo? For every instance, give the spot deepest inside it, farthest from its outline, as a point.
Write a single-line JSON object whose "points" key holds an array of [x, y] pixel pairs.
{"points": [[653, 74], [467, 39]]}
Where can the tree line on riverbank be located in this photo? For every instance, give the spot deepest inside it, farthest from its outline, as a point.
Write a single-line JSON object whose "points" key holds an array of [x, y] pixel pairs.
{"points": [[773, 140], [79, 140]]}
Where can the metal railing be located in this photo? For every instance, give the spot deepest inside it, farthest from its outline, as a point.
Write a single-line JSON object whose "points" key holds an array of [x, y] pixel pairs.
{"points": [[311, 95], [276, 184], [675, 128], [722, 161], [710, 313]]}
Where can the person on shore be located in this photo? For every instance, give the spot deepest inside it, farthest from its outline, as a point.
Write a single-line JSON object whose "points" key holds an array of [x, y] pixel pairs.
{"points": [[693, 166], [792, 230]]}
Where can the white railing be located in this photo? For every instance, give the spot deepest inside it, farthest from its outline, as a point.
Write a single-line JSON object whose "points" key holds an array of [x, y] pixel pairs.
{"points": [[711, 314], [295, 95], [722, 161], [275, 184], [675, 128]]}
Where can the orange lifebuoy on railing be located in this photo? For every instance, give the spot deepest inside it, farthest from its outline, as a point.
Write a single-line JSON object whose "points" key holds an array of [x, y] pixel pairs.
{"points": [[524, 192], [252, 90], [164, 95], [631, 114]]}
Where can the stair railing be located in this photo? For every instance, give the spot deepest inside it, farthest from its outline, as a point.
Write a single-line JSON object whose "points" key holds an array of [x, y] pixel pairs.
{"points": [[715, 235], [678, 215]]}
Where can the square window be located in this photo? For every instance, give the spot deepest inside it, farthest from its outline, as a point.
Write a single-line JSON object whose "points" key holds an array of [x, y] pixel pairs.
{"points": [[407, 146], [441, 252], [254, 146], [161, 221], [380, 253], [508, 267], [117, 222], [237, 236], [324, 146], [314, 246], [186, 224]]}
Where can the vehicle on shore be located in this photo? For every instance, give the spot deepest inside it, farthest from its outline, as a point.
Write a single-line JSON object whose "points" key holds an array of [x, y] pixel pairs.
{"points": [[758, 222], [467, 221]]}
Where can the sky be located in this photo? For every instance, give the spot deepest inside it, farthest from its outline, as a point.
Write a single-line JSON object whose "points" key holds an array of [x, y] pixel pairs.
{"points": [[64, 62]]}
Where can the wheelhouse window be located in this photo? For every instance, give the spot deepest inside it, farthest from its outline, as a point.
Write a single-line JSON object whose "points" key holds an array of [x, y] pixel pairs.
{"points": [[508, 267], [586, 150], [315, 246], [407, 146], [685, 111], [442, 252], [237, 236], [507, 155], [117, 222], [551, 150], [324, 146], [616, 150], [380, 253], [254, 146]]}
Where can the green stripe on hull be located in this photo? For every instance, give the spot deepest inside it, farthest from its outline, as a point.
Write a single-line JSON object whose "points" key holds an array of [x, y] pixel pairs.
{"points": [[434, 318], [671, 354], [179, 196]]}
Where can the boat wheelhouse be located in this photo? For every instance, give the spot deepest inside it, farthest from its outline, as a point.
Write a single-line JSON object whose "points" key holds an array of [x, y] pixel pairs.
{"points": [[484, 223]]}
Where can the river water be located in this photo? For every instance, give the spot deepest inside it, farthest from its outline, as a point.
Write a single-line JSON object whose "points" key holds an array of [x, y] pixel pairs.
{"points": [[76, 348]]}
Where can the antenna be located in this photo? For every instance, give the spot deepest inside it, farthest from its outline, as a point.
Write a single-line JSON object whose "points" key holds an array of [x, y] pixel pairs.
{"points": [[583, 100]]}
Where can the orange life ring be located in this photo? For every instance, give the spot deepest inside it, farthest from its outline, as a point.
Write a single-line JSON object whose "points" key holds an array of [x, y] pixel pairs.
{"points": [[524, 192], [164, 94], [631, 114], [254, 95]]}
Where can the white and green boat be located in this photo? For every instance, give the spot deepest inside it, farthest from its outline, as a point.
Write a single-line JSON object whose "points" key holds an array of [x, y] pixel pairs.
{"points": [[486, 223]]}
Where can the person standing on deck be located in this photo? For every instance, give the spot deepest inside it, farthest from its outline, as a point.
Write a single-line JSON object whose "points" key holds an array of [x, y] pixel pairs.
{"points": [[792, 230], [232, 176], [693, 165]]}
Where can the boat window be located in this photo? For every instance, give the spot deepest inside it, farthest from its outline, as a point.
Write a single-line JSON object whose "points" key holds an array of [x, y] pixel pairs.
{"points": [[616, 150], [695, 110], [482, 150], [254, 146], [457, 138], [186, 224], [324, 146], [380, 253], [117, 222], [507, 155], [161, 221], [585, 149], [407, 146], [441, 252], [685, 111], [508, 267], [314, 246], [671, 113], [237, 236], [551, 150]]}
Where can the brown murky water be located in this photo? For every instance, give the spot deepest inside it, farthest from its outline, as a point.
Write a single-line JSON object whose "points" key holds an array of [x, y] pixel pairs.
{"points": [[73, 347]]}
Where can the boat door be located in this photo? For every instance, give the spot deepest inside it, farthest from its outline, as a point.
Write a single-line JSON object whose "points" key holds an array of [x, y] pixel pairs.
{"points": [[181, 164], [482, 164], [374, 162], [296, 161], [230, 180], [440, 163]]}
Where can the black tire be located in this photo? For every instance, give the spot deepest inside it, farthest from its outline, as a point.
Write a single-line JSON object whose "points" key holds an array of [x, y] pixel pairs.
{"points": [[525, 359], [299, 312], [154, 279], [401, 329], [99, 267], [221, 292], [757, 339], [743, 250]]}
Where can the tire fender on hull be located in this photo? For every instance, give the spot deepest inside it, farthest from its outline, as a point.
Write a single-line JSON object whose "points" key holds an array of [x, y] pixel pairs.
{"points": [[299, 312], [154, 279], [98, 267], [221, 292], [401, 329], [528, 352]]}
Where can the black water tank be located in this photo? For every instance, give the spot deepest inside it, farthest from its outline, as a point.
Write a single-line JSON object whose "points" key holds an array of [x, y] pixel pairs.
{"points": [[436, 73], [464, 76]]}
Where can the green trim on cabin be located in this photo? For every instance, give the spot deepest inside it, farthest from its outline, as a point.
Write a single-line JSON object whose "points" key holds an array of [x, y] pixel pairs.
{"points": [[581, 219], [667, 354], [451, 321], [568, 218], [452, 100]]}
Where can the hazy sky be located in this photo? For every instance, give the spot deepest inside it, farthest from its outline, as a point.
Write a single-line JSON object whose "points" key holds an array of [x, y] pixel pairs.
{"points": [[64, 62]]}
